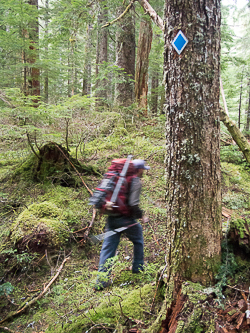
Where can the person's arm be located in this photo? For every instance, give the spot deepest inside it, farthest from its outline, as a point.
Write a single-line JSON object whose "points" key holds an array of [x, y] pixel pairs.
{"points": [[134, 198]]}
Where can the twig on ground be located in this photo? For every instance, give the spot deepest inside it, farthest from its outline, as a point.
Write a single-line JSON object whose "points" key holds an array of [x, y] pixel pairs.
{"points": [[8, 298], [155, 239], [51, 268], [34, 300], [74, 232], [6, 329], [244, 291]]}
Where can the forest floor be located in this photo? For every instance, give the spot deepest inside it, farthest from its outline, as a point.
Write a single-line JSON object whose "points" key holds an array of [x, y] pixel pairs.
{"points": [[44, 215]]}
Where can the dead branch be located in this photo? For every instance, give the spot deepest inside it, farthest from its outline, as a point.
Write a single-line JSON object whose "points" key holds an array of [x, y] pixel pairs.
{"points": [[236, 133], [30, 144], [152, 13], [223, 97], [90, 225], [119, 17], [6, 329], [3, 98], [74, 168], [34, 300]]}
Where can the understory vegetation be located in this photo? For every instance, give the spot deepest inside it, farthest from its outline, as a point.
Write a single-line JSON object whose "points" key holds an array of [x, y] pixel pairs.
{"points": [[45, 218]]}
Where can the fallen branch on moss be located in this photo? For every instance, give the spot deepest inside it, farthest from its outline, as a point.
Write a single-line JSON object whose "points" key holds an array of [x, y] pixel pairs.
{"points": [[6, 329], [22, 309]]}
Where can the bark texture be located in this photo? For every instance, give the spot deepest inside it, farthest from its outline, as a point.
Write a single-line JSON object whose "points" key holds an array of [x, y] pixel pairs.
{"points": [[101, 57], [142, 60], [154, 93], [34, 72], [125, 58], [193, 141]]}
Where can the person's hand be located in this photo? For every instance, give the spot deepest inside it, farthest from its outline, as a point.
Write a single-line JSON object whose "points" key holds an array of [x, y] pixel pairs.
{"points": [[145, 219]]}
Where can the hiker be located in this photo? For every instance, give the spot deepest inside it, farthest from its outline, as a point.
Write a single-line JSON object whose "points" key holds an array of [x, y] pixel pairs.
{"points": [[134, 233]]}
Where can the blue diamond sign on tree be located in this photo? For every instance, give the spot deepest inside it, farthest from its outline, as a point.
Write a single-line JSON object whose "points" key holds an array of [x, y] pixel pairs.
{"points": [[179, 42]]}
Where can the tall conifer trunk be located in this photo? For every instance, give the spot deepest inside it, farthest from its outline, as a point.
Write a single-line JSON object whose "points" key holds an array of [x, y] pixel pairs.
{"points": [[101, 56], [193, 198], [125, 58], [34, 75], [142, 60]]}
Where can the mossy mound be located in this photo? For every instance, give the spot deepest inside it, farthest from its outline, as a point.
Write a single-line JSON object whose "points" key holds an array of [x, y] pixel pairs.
{"points": [[53, 164], [40, 226]]}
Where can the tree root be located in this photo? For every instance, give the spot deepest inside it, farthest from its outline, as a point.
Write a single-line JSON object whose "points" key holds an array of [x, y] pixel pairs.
{"points": [[22, 309]]}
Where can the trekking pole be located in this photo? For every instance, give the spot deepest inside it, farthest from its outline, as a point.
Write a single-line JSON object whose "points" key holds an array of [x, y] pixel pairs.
{"points": [[98, 238]]}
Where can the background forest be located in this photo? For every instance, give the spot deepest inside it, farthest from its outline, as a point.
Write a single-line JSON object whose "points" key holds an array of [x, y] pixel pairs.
{"points": [[81, 94]]}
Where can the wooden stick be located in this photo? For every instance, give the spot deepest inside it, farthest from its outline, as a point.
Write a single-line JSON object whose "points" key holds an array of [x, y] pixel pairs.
{"points": [[6, 329], [119, 17], [34, 300]]}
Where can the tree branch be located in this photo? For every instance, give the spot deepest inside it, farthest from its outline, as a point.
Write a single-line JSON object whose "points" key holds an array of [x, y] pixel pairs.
{"points": [[119, 17], [34, 300], [2, 97], [223, 97], [152, 13], [236, 133]]}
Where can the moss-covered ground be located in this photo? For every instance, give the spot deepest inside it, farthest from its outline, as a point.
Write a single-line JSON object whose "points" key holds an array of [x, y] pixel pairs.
{"points": [[31, 207]]}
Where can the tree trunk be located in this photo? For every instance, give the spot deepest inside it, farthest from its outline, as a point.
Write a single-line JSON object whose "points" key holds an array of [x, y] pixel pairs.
{"points": [[240, 101], [34, 77], [154, 93], [102, 57], [248, 110], [125, 58], [193, 142], [46, 79], [86, 86], [141, 72]]}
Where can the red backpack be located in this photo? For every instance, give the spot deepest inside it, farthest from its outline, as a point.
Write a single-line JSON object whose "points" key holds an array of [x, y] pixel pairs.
{"points": [[115, 180]]}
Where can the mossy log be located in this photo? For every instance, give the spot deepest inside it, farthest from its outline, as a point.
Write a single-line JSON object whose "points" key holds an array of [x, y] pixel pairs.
{"points": [[239, 235], [40, 226], [237, 135]]}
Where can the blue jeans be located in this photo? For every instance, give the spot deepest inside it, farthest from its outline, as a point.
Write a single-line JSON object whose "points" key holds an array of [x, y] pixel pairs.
{"points": [[110, 244]]}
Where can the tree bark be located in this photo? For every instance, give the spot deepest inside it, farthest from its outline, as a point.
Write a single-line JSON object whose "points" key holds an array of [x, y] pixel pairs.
{"points": [[101, 57], [248, 110], [46, 79], [86, 86], [34, 75], [154, 93], [142, 60], [125, 59], [193, 197]]}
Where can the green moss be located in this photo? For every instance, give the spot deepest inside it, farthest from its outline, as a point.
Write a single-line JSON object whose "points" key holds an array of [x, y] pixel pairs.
{"points": [[240, 225], [44, 216], [113, 308]]}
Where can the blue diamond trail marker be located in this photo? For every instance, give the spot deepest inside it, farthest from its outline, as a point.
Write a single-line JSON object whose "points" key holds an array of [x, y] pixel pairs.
{"points": [[179, 42]]}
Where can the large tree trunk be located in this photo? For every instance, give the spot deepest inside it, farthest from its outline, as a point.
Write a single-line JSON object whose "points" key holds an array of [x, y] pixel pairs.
{"points": [[193, 142], [101, 57], [125, 58], [34, 75], [142, 60]]}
